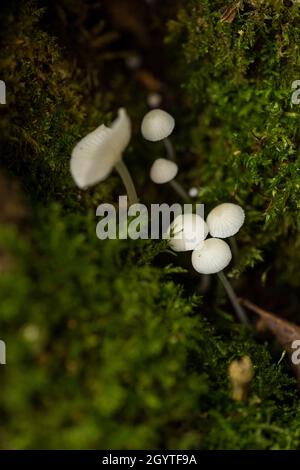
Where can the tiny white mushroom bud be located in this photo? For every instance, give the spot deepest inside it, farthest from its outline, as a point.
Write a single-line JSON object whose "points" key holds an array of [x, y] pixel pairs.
{"points": [[225, 220], [241, 373], [187, 231], [211, 257], [157, 125], [163, 171], [193, 192]]}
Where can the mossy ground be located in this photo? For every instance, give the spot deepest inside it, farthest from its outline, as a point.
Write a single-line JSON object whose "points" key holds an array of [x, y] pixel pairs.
{"points": [[108, 345]]}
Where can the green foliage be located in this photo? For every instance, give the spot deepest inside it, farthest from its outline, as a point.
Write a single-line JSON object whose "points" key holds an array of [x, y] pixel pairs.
{"points": [[243, 128], [106, 354]]}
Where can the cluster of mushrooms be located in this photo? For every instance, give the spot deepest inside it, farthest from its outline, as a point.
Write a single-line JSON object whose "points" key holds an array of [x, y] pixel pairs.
{"points": [[97, 154]]}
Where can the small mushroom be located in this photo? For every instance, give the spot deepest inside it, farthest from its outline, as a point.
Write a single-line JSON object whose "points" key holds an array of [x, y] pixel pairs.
{"points": [[212, 257], [163, 171], [133, 61], [157, 125], [241, 373], [95, 155], [186, 232], [154, 99], [225, 220]]}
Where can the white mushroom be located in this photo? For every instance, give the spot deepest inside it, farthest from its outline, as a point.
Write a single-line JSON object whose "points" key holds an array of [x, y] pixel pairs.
{"points": [[94, 156], [211, 257], [186, 232], [157, 125], [163, 171], [225, 220], [193, 192]]}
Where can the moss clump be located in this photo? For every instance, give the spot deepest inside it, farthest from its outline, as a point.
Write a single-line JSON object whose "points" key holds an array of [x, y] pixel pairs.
{"points": [[45, 112], [122, 360]]}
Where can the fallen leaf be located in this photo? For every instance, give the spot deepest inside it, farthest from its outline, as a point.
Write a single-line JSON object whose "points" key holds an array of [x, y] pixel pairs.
{"points": [[285, 332]]}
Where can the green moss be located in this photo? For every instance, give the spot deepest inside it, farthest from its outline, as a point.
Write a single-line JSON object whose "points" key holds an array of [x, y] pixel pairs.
{"points": [[105, 347], [122, 360]]}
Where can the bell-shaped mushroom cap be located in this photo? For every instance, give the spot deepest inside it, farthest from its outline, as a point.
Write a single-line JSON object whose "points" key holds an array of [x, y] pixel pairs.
{"points": [[187, 231], [211, 257], [94, 156], [163, 171], [157, 125], [225, 220]]}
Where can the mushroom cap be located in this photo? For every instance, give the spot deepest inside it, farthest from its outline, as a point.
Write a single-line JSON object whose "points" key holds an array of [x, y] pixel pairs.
{"points": [[163, 171], [157, 125], [94, 156], [212, 256], [187, 231], [225, 220]]}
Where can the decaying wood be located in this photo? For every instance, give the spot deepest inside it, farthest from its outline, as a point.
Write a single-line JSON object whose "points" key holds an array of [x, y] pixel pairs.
{"points": [[285, 332]]}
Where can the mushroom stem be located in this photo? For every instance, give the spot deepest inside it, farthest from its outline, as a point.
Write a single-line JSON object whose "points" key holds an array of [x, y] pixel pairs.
{"points": [[204, 283], [127, 181], [240, 312], [234, 247], [180, 190], [169, 148]]}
